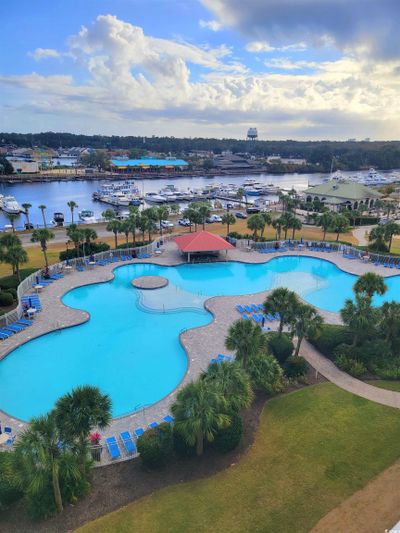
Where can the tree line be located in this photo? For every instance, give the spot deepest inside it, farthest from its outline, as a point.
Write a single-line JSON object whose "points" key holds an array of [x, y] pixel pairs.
{"points": [[344, 155]]}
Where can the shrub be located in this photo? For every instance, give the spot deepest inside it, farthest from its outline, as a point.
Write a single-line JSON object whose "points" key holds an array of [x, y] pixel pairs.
{"points": [[329, 337], [155, 446], [13, 293], [181, 447], [387, 368], [295, 367], [351, 366], [227, 439], [11, 282], [6, 299], [91, 248], [9, 493], [265, 373], [281, 346]]}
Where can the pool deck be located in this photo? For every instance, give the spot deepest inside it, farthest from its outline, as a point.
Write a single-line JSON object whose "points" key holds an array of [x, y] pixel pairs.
{"points": [[201, 344]]}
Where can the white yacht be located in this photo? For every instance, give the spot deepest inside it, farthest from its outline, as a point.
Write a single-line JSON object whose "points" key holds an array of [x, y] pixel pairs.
{"points": [[10, 205], [87, 216]]}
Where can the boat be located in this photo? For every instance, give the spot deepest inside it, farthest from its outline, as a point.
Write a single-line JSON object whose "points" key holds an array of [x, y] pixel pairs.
{"points": [[58, 219], [118, 194], [154, 198], [10, 205], [87, 216]]}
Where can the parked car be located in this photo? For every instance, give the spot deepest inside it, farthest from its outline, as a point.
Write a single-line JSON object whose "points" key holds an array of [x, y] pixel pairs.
{"points": [[213, 218], [229, 205], [165, 224], [184, 222], [29, 226], [239, 214], [253, 210]]}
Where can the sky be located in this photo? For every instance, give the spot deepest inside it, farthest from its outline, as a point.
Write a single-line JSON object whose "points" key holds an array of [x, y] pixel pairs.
{"points": [[295, 69]]}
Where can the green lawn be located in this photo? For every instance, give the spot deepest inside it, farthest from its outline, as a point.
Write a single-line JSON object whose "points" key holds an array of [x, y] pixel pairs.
{"points": [[314, 448], [390, 385]]}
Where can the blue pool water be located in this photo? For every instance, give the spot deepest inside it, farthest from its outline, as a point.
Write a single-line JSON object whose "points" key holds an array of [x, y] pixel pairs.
{"points": [[130, 346]]}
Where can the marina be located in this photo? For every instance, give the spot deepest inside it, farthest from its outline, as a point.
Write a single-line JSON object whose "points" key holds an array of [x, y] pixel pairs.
{"points": [[96, 196]]}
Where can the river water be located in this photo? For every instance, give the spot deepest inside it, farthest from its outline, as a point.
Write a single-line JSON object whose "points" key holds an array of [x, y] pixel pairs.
{"points": [[55, 195]]}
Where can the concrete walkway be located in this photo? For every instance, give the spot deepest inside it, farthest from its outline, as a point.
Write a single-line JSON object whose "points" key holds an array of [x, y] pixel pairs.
{"points": [[332, 373], [360, 234]]}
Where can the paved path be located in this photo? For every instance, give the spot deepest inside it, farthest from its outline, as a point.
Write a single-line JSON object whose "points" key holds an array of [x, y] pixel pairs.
{"points": [[331, 372], [360, 234]]}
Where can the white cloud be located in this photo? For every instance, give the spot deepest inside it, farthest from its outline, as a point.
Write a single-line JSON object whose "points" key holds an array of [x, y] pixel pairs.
{"points": [[44, 53], [212, 25], [136, 83], [259, 46]]}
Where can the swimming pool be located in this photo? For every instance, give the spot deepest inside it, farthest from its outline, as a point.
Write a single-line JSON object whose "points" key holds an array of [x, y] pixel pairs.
{"points": [[130, 347]]}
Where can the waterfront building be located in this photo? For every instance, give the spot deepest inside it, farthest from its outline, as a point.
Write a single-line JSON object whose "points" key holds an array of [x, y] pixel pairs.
{"points": [[336, 195], [22, 166], [147, 164]]}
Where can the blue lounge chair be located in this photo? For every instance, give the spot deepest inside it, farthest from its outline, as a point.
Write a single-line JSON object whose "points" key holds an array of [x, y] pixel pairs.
{"points": [[153, 425], [25, 322], [240, 309], [248, 308], [7, 332], [277, 316], [261, 307], [138, 432], [246, 317], [169, 419], [113, 448], [214, 360], [13, 327], [270, 317], [3, 336], [255, 317], [255, 308], [7, 429], [127, 441]]}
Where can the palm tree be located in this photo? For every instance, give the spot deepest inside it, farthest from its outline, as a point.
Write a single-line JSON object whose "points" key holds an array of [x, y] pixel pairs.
{"points": [[133, 222], [267, 221], [199, 413], [42, 236], [76, 235], [204, 211], [126, 229], [369, 284], [12, 217], [281, 301], [245, 339], [277, 225], [325, 221], [286, 221], [191, 215], [38, 456], [340, 225], [391, 229], [390, 323], [304, 321], [26, 208], [296, 226], [77, 413], [360, 317], [15, 255], [114, 225], [143, 223], [255, 223], [42, 208], [378, 237], [232, 382], [162, 214], [229, 220], [89, 235], [72, 205], [108, 214]]}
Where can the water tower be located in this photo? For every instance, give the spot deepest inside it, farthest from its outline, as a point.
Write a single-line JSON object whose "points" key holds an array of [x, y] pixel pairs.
{"points": [[252, 134]]}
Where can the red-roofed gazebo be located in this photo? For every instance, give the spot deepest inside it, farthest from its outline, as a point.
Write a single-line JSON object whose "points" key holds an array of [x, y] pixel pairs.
{"points": [[201, 242]]}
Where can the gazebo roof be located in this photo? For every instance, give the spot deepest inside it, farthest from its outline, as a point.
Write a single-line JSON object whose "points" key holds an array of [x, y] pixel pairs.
{"points": [[202, 241]]}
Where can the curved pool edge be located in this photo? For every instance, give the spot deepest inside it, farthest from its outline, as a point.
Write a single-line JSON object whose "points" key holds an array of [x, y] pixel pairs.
{"points": [[160, 408]]}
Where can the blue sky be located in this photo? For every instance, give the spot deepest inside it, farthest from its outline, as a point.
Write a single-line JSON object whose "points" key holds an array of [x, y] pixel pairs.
{"points": [[293, 68]]}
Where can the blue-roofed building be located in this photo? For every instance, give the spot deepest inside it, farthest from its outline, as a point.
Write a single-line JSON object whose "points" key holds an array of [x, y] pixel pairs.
{"points": [[147, 164]]}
